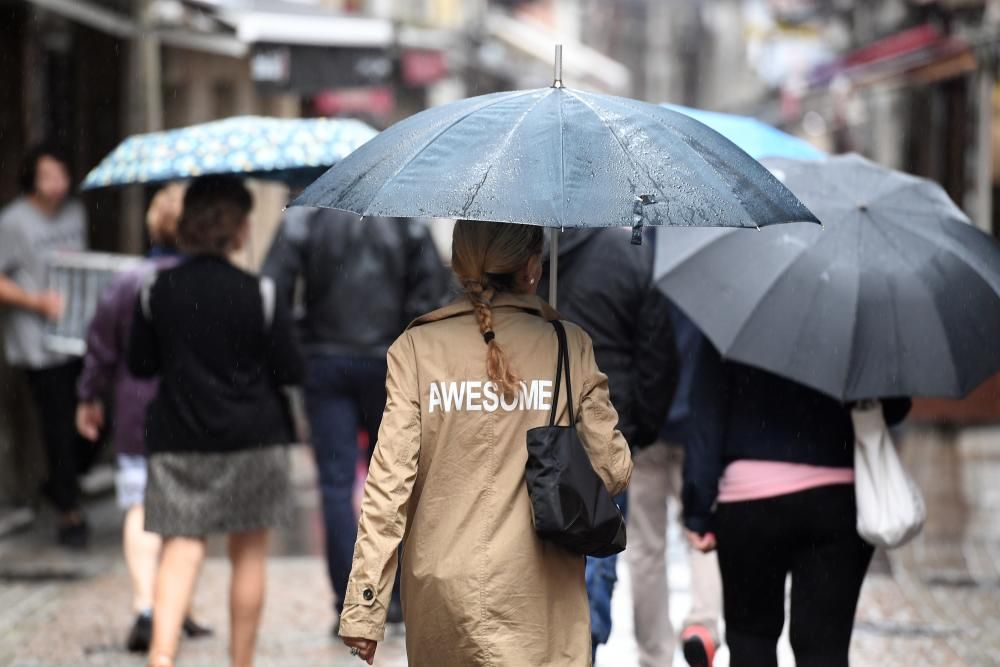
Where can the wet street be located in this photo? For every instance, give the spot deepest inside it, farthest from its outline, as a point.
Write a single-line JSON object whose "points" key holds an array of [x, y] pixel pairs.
{"points": [[933, 602]]}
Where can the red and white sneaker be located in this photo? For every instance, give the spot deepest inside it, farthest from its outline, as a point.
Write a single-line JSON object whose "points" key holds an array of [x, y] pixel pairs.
{"points": [[698, 646]]}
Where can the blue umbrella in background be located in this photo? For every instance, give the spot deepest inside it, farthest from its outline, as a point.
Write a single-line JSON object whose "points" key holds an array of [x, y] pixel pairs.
{"points": [[291, 150], [757, 138]]}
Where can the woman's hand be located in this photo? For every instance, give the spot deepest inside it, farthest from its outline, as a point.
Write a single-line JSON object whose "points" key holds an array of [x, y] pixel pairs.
{"points": [[366, 648], [90, 419], [703, 543]]}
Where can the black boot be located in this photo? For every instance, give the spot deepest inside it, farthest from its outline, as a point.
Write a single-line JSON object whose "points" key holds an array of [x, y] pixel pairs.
{"points": [[141, 634], [194, 630]]}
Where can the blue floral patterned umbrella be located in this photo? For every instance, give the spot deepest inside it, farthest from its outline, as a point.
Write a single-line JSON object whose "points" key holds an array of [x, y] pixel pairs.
{"points": [[295, 151]]}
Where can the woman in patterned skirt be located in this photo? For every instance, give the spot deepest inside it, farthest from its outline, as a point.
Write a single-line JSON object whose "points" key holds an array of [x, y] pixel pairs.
{"points": [[223, 348]]}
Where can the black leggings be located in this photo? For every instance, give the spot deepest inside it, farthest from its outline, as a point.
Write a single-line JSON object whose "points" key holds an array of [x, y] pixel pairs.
{"points": [[69, 455], [811, 534]]}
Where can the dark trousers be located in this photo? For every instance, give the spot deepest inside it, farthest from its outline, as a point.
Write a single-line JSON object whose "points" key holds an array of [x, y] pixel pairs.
{"points": [[812, 535], [53, 392], [343, 396], [601, 577]]}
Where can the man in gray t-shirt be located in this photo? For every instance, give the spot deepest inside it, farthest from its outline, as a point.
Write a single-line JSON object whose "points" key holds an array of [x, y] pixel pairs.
{"points": [[41, 221], [28, 235]]}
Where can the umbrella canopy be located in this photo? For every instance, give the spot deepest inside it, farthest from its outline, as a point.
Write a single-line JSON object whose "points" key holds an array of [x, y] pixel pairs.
{"points": [[758, 139], [896, 295], [286, 149], [560, 158]]}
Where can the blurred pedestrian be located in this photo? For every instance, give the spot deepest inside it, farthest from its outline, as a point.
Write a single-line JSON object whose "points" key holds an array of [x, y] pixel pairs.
{"points": [[105, 374], [43, 220], [465, 384], [362, 282], [223, 347], [605, 285], [769, 479], [655, 483]]}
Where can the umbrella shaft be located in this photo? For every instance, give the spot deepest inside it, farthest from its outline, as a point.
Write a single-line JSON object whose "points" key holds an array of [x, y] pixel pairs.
{"points": [[553, 265]]}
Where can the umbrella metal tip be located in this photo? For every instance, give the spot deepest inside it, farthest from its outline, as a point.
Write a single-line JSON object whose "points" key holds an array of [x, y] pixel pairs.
{"points": [[557, 73]]}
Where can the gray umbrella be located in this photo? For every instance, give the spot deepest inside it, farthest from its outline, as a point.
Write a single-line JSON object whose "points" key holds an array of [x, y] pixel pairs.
{"points": [[559, 158], [896, 295]]}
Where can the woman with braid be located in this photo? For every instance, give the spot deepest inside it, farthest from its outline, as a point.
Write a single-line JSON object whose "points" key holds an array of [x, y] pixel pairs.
{"points": [[465, 383]]}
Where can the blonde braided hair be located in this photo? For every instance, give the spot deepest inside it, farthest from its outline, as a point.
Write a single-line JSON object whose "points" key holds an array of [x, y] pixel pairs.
{"points": [[485, 257]]}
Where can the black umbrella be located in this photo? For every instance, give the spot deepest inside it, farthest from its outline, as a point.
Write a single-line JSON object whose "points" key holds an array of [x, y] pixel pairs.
{"points": [[897, 295]]}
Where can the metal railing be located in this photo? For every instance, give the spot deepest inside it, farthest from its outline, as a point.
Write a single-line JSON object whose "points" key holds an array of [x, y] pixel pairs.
{"points": [[80, 277]]}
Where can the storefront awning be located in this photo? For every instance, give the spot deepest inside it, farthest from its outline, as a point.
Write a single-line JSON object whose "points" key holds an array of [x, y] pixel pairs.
{"points": [[282, 23], [124, 27], [582, 63], [922, 54]]}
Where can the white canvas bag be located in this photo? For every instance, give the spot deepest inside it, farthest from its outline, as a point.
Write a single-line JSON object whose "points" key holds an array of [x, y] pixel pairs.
{"points": [[891, 508]]}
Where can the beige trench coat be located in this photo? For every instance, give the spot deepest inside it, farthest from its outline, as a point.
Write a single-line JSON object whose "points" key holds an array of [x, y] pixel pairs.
{"points": [[447, 479]]}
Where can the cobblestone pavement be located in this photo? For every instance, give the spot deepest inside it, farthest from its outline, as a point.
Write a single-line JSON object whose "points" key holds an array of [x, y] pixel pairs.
{"points": [[934, 602]]}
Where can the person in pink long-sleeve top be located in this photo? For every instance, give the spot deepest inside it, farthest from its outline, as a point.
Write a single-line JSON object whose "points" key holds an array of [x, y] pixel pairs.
{"points": [[105, 375], [769, 480]]}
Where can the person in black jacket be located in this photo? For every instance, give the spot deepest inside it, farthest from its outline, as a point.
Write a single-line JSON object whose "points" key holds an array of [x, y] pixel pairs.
{"points": [[605, 285], [362, 282], [769, 478], [223, 347]]}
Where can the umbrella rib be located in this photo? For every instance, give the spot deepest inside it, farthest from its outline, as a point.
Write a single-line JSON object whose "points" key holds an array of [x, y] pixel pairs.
{"points": [[852, 352], [562, 165], [803, 250], [695, 252], [721, 177], [620, 143], [930, 289], [427, 144], [506, 142], [916, 230]]}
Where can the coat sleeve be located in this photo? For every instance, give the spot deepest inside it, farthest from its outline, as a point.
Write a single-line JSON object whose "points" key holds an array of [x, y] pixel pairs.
{"points": [[384, 510], [703, 455], [597, 421], [143, 351], [284, 356], [105, 349], [286, 257], [427, 280], [895, 410], [656, 368]]}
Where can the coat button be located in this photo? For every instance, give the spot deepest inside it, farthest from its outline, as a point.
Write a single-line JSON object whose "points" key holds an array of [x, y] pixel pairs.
{"points": [[368, 594]]}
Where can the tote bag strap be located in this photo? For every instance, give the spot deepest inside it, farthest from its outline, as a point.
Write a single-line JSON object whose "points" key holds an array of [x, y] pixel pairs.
{"points": [[562, 365]]}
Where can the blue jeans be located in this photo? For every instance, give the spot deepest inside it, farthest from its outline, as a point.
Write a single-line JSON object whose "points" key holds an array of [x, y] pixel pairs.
{"points": [[601, 577], [343, 396]]}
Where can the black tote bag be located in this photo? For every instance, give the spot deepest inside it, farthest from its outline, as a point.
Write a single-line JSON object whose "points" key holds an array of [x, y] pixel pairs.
{"points": [[570, 504]]}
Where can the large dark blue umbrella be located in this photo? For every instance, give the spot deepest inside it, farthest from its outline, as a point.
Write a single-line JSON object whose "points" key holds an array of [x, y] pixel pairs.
{"points": [[896, 295]]}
